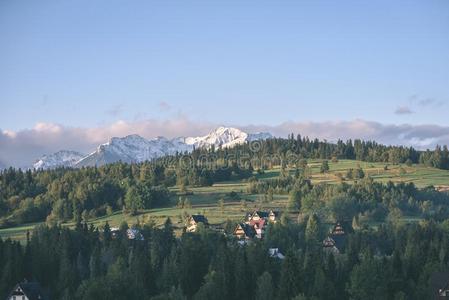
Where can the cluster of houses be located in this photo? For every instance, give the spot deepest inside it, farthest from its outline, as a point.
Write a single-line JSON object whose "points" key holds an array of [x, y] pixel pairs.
{"points": [[336, 240], [253, 226]]}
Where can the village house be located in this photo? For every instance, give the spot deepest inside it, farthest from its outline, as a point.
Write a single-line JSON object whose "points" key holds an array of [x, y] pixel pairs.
{"points": [[275, 253], [255, 224], [335, 242], [271, 216], [131, 233], [134, 234], [259, 227], [27, 291], [194, 220], [244, 231]]}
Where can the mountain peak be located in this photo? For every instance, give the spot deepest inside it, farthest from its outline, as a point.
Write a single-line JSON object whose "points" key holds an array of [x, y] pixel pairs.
{"points": [[62, 158], [134, 148], [224, 129], [130, 138]]}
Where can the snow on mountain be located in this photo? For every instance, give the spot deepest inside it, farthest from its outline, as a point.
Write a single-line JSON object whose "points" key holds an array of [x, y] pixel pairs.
{"points": [[134, 148], [222, 136], [63, 158]]}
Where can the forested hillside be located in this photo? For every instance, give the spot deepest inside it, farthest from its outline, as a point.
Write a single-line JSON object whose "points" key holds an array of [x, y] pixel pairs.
{"points": [[75, 194], [81, 194], [390, 262]]}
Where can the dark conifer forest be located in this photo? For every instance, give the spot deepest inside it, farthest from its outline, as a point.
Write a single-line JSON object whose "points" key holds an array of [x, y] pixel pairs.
{"points": [[389, 262]]}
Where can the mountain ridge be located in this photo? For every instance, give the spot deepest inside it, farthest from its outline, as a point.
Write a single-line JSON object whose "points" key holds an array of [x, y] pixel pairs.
{"points": [[134, 148], [61, 158]]}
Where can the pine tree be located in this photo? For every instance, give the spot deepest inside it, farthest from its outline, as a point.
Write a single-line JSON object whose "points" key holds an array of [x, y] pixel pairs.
{"points": [[95, 264], [324, 167], [211, 289], [312, 233], [289, 282], [265, 290], [243, 283], [176, 294], [133, 200], [294, 200]]}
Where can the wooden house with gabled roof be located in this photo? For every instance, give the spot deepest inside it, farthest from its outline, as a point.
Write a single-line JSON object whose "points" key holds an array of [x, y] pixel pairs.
{"points": [[271, 215], [27, 291], [259, 226], [257, 221], [329, 245], [338, 229], [335, 242], [194, 220], [257, 215], [244, 231]]}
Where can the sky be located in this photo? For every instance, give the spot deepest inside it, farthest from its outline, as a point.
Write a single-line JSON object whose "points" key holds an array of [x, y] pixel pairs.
{"points": [[96, 69]]}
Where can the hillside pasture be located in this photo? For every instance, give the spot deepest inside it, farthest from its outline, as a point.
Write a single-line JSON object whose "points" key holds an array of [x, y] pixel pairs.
{"points": [[204, 200]]}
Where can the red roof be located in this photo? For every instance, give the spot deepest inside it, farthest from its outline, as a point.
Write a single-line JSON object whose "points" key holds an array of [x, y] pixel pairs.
{"points": [[259, 223]]}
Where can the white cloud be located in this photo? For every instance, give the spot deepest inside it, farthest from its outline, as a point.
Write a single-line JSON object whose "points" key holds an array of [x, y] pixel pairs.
{"points": [[22, 148], [418, 136]]}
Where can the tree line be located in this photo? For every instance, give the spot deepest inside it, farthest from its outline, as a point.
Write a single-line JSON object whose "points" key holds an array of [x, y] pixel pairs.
{"points": [[291, 150], [81, 194]]}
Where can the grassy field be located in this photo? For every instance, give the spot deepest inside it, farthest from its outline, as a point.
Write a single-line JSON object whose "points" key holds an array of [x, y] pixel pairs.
{"points": [[421, 176], [205, 199]]}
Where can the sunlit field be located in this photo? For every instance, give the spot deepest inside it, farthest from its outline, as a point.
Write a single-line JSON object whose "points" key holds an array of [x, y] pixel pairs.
{"points": [[204, 200]]}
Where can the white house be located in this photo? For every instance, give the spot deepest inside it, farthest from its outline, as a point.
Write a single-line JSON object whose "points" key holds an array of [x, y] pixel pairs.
{"points": [[27, 291]]}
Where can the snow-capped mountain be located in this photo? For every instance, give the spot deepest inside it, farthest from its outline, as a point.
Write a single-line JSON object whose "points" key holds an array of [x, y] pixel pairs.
{"points": [[134, 148], [222, 136], [226, 137], [63, 158]]}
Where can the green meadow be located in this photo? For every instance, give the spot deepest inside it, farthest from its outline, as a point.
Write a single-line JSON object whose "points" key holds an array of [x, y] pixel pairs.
{"points": [[205, 200]]}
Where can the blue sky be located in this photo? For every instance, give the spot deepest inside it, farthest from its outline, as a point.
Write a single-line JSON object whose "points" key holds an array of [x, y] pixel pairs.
{"points": [[90, 63], [75, 73]]}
